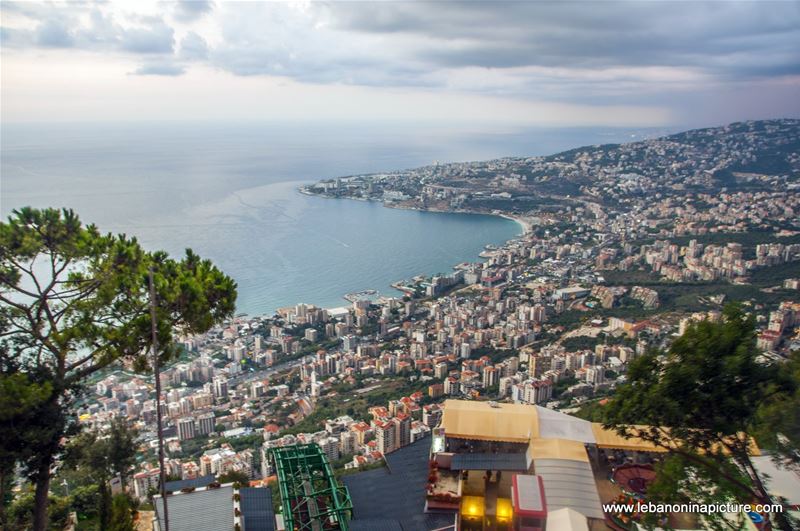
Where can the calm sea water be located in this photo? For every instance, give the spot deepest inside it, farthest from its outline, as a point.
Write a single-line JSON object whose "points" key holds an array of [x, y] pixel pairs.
{"points": [[228, 191]]}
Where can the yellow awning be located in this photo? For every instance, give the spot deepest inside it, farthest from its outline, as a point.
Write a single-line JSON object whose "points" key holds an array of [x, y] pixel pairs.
{"points": [[558, 449], [611, 439], [480, 421]]}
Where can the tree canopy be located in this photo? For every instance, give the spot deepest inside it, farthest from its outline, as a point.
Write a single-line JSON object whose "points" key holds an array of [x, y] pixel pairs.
{"points": [[74, 300], [702, 400]]}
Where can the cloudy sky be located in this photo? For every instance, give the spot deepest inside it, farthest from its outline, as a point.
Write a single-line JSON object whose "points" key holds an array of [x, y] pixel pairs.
{"points": [[636, 63]]}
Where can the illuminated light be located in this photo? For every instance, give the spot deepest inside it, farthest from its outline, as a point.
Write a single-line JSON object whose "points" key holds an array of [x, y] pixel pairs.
{"points": [[472, 506], [504, 509]]}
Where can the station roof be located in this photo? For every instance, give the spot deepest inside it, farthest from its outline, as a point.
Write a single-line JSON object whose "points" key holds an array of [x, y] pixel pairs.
{"points": [[466, 419], [256, 507], [393, 497], [611, 439], [557, 425], [569, 484], [483, 461], [567, 520], [202, 510], [783, 481], [558, 449], [528, 424], [527, 495]]}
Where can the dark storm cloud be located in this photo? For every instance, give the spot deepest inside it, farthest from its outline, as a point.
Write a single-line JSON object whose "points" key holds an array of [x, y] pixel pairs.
{"points": [[560, 50], [590, 34]]}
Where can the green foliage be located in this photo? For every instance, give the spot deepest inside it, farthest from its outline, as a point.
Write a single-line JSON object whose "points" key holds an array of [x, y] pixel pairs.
{"points": [[20, 513], [121, 448], [494, 354], [679, 480], [21, 397], [777, 430], [121, 514], [701, 398], [84, 500], [371, 466], [191, 448], [90, 293], [592, 411], [96, 457], [101, 455], [234, 476], [73, 301], [563, 384]]}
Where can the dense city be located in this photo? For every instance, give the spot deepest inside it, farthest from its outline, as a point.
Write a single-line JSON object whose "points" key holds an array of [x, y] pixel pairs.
{"points": [[552, 318]]}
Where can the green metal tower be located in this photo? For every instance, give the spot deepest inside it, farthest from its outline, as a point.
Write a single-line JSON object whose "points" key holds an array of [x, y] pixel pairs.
{"points": [[311, 497]]}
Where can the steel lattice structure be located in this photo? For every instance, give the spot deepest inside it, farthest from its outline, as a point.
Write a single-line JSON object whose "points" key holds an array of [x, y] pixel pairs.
{"points": [[311, 497]]}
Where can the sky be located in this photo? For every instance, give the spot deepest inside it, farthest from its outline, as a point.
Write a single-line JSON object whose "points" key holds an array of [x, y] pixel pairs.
{"points": [[587, 63]]}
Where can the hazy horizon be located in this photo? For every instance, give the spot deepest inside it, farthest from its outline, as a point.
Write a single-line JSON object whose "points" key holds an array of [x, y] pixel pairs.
{"points": [[482, 65]]}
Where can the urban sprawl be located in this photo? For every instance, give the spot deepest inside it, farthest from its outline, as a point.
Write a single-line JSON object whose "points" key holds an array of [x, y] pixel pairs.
{"points": [[623, 247]]}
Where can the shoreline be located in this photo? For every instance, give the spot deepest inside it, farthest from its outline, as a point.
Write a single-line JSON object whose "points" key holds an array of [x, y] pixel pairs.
{"points": [[525, 225]]}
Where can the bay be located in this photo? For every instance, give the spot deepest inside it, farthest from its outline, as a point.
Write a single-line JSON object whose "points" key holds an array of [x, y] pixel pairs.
{"points": [[229, 192]]}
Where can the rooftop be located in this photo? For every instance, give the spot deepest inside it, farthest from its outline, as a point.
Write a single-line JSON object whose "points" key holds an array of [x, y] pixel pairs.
{"points": [[205, 510], [213, 510], [256, 507], [393, 497], [481, 421]]}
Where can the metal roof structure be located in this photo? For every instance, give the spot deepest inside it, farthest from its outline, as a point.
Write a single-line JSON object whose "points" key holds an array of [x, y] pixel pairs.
{"points": [[527, 496], [203, 510], [490, 422], [256, 507], [567, 520], [569, 484], [558, 449], [557, 425], [523, 423], [482, 461], [311, 497], [395, 495], [375, 525]]}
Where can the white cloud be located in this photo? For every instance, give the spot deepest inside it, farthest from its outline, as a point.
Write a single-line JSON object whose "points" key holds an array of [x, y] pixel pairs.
{"points": [[618, 61]]}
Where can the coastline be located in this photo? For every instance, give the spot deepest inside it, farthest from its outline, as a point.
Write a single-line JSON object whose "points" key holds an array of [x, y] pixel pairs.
{"points": [[525, 225]]}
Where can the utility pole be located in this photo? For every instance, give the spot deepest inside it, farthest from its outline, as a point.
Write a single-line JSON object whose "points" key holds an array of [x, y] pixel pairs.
{"points": [[156, 372]]}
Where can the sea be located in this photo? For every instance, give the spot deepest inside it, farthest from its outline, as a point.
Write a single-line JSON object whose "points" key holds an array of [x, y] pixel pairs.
{"points": [[229, 191]]}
